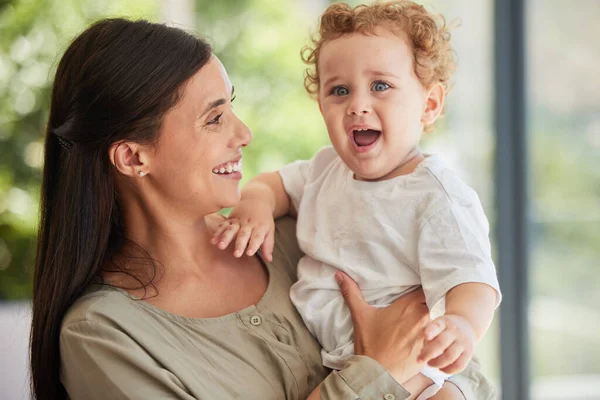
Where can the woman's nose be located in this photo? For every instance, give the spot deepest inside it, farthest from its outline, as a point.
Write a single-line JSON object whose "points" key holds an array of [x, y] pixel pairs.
{"points": [[243, 135]]}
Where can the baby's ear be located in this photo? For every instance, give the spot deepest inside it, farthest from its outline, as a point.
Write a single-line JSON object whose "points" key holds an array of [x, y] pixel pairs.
{"points": [[434, 104]]}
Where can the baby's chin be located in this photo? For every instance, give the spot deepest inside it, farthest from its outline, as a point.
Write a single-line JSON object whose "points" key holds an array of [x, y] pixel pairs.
{"points": [[376, 173], [369, 174]]}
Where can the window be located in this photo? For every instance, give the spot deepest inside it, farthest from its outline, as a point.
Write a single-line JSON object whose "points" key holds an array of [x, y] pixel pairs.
{"points": [[563, 113]]}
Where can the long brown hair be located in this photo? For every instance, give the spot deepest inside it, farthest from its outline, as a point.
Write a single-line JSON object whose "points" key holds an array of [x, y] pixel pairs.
{"points": [[116, 81]]}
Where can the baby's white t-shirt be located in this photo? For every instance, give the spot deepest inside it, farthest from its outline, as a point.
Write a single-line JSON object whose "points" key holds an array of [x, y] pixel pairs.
{"points": [[425, 229]]}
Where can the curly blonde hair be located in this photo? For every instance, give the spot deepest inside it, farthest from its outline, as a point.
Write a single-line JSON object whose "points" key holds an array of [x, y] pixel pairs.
{"points": [[427, 34]]}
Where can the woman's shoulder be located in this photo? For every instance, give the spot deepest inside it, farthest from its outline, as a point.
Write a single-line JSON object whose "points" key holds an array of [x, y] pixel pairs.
{"points": [[98, 304]]}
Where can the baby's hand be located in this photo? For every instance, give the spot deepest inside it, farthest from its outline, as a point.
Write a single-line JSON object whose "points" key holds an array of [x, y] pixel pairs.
{"points": [[251, 225], [449, 344]]}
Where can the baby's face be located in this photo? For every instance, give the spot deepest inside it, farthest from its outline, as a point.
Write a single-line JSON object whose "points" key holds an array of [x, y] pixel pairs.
{"points": [[372, 101]]}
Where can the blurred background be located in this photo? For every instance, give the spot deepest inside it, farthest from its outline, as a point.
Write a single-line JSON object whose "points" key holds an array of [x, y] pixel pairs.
{"points": [[259, 42]]}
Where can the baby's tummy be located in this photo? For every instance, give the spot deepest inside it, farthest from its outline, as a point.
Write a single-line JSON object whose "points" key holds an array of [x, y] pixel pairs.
{"points": [[384, 296], [317, 279], [319, 301], [371, 264]]}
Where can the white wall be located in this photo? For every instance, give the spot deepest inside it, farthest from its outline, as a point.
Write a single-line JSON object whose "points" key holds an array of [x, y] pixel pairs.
{"points": [[14, 338]]}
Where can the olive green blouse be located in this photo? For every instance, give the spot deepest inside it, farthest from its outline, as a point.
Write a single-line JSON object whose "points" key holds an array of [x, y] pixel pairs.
{"points": [[114, 346]]}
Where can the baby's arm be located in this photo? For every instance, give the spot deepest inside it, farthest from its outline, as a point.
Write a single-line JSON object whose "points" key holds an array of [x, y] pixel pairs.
{"points": [[251, 223], [455, 252], [450, 339], [476, 303], [268, 188]]}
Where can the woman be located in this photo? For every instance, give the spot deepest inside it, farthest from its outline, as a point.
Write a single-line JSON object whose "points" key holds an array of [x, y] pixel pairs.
{"points": [[130, 298]]}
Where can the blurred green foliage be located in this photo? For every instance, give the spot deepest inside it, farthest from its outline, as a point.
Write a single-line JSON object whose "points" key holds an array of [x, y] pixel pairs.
{"points": [[257, 40], [34, 35]]}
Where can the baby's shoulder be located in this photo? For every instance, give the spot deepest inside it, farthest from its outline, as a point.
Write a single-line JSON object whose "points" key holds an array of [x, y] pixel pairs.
{"points": [[325, 157], [441, 188], [326, 164], [445, 183]]}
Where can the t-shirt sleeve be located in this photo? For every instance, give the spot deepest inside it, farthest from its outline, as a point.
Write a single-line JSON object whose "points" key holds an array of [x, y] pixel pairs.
{"points": [[295, 176], [362, 378], [101, 362], [454, 248]]}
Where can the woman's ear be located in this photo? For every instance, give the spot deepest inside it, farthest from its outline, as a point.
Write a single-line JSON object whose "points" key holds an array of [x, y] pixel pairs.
{"points": [[434, 104], [129, 158]]}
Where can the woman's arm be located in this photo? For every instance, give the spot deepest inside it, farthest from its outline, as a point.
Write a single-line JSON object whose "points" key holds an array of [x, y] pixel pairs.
{"points": [[362, 378], [386, 341], [366, 378], [473, 384]]}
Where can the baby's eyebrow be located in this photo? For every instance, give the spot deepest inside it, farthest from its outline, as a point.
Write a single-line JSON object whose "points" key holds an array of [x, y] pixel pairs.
{"points": [[382, 73], [328, 81]]}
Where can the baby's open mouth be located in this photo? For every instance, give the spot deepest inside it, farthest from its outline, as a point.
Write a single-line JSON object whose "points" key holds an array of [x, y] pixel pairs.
{"points": [[365, 137]]}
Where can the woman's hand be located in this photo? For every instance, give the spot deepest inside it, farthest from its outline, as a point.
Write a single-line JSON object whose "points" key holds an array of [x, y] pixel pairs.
{"points": [[392, 336], [252, 226]]}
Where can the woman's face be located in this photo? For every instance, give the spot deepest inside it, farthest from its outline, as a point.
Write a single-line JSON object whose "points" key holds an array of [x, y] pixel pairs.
{"points": [[197, 164]]}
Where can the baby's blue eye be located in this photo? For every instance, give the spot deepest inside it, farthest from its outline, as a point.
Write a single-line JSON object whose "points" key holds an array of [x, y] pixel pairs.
{"points": [[340, 91], [380, 86]]}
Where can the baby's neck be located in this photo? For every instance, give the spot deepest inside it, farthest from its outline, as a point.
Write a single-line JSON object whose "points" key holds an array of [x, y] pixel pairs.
{"points": [[405, 167]]}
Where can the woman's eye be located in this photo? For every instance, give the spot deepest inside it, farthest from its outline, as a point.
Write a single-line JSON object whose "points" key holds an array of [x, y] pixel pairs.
{"points": [[340, 91], [380, 86], [215, 120]]}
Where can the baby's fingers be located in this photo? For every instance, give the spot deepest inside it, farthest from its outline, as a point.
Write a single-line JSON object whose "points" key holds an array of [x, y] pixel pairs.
{"points": [[434, 328], [450, 355], [436, 347], [219, 231], [257, 238], [457, 366], [242, 240], [268, 244], [228, 235]]}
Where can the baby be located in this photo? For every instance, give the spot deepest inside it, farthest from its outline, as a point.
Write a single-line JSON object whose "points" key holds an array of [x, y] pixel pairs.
{"points": [[373, 205]]}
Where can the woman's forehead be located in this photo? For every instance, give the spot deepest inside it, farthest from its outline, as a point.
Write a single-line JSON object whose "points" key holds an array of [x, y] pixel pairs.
{"points": [[209, 84]]}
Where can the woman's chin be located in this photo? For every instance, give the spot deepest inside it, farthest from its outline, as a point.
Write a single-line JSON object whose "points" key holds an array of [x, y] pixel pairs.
{"points": [[231, 201]]}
